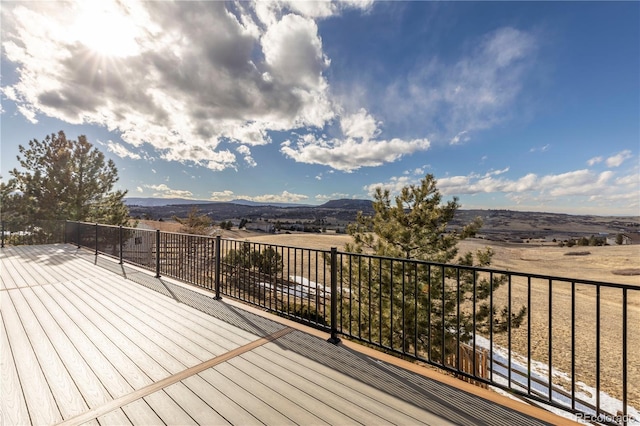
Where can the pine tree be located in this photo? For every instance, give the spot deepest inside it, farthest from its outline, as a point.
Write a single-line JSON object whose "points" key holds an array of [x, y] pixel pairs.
{"points": [[413, 306], [63, 179], [194, 223]]}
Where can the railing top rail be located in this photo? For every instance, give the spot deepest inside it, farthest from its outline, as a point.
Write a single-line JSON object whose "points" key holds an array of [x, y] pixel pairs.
{"points": [[275, 245], [496, 271]]}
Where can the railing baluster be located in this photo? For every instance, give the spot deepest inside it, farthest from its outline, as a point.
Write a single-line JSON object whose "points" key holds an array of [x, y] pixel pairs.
{"points": [[158, 253], [391, 303], [491, 324], [458, 320], [334, 296], [550, 334], [597, 350], [443, 319], [218, 270], [120, 244], [573, 345], [509, 326], [380, 302], [404, 330], [474, 307], [359, 297], [529, 335], [624, 357], [429, 343], [415, 310]]}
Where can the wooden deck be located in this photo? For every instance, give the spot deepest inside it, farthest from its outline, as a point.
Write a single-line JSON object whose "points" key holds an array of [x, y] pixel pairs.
{"points": [[85, 340]]}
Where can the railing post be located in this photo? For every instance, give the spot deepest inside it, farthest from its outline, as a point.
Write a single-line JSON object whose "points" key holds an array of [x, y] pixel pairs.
{"points": [[2, 244], [334, 297], [96, 239], [157, 253], [217, 254], [120, 243]]}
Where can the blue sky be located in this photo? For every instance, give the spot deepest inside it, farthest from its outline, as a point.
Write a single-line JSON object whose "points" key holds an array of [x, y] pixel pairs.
{"points": [[511, 105]]}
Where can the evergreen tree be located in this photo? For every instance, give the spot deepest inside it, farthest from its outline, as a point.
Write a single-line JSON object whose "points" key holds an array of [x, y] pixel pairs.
{"points": [[63, 179], [413, 306], [194, 223]]}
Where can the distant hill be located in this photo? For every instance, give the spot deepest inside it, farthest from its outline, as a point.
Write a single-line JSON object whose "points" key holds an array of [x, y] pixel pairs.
{"points": [[156, 202], [348, 204], [243, 202], [151, 202], [336, 214]]}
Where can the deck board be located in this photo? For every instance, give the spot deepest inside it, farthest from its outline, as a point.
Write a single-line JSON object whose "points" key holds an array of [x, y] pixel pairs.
{"points": [[140, 413], [332, 385], [14, 407], [147, 321], [293, 390], [93, 392], [226, 405], [201, 412], [258, 397], [65, 392], [104, 357], [116, 417], [82, 343], [168, 410], [38, 397], [16, 277], [184, 320], [137, 367]]}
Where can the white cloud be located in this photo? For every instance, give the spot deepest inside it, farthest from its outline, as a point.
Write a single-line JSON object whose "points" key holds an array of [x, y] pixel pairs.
{"points": [[349, 154], [419, 171], [246, 153], [334, 196], [185, 78], [619, 158], [629, 180], [222, 196], [595, 160], [394, 185], [267, 11], [284, 197], [460, 138], [163, 191], [475, 92], [543, 148], [359, 125], [121, 151], [496, 172], [584, 185]]}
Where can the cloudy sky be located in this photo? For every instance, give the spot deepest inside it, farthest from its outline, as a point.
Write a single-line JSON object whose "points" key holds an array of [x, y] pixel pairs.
{"points": [[511, 105]]}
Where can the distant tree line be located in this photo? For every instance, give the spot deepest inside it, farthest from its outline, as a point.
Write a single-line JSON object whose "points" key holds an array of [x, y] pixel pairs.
{"points": [[592, 241]]}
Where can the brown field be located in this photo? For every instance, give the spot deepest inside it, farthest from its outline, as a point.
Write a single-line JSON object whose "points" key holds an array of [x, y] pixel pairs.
{"points": [[600, 264]]}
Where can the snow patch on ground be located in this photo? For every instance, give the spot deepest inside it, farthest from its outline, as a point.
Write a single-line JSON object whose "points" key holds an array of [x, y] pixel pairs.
{"points": [[540, 373]]}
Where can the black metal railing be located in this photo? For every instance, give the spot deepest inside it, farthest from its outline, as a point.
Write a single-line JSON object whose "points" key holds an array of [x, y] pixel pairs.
{"points": [[557, 341], [38, 232]]}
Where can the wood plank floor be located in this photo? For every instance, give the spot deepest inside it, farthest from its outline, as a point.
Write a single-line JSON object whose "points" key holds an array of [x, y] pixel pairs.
{"points": [[82, 344]]}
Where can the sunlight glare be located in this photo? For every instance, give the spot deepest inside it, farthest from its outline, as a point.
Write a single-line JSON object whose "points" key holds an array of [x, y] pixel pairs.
{"points": [[106, 29]]}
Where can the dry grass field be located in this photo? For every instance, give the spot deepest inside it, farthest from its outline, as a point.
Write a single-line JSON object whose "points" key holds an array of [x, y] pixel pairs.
{"points": [[600, 264]]}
